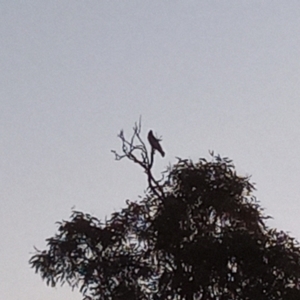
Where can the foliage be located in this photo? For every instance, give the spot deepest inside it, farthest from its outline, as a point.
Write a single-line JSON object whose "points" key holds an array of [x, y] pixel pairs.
{"points": [[199, 233]]}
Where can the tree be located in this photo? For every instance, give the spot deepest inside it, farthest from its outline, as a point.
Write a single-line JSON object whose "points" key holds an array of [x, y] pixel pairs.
{"points": [[199, 233]]}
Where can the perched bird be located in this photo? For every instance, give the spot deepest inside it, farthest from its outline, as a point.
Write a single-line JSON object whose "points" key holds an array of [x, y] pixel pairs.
{"points": [[154, 142]]}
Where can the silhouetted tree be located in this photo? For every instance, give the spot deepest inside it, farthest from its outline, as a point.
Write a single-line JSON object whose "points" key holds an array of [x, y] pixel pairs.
{"points": [[199, 233]]}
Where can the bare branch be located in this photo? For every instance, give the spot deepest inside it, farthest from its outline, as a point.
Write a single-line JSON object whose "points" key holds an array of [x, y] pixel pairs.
{"points": [[135, 150]]}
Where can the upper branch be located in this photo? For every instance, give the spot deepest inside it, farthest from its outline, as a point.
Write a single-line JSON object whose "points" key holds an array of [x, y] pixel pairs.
{"points": [[135, 150]]}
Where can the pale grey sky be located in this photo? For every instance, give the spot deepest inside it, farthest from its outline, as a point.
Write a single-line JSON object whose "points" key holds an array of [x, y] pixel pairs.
{"points": [[206, 75]]}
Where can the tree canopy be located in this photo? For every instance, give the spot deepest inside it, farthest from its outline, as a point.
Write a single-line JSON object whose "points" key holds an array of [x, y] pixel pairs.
{"points": [[199, 233]]}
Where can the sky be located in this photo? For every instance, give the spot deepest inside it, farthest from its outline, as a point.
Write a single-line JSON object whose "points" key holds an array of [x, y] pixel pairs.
{"points": [[204, 75]]}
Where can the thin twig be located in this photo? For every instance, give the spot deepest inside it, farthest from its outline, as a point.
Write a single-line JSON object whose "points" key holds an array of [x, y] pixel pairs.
{"points": [[130, 148]]}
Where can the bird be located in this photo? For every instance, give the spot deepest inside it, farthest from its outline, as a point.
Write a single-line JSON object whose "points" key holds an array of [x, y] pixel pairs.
{"points": [[154, 142]]}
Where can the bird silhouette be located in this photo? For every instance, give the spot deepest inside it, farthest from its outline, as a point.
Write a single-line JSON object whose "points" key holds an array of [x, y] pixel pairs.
{"points": [[154, 142]]}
